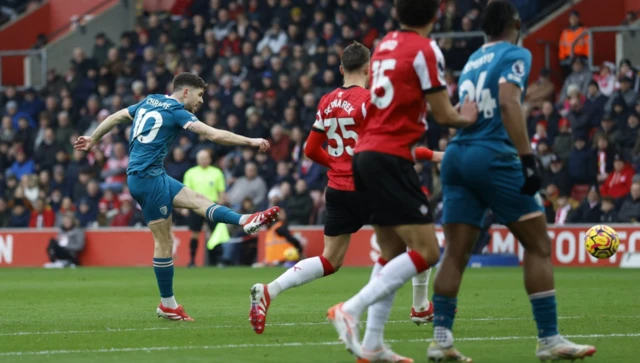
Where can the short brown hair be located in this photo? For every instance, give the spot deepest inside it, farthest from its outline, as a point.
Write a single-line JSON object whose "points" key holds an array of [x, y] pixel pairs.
{"points": [[183, 80], [354, 57]]}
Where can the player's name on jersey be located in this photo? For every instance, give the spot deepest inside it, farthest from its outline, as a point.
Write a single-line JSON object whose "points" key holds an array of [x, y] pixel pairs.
{"points": [[155, 103], [345, 105], [475, 64]]}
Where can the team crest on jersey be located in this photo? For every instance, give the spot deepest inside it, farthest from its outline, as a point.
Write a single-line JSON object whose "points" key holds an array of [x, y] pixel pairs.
{"points": [[424, 210], [340, 94], [163, 210], [518, 68]]}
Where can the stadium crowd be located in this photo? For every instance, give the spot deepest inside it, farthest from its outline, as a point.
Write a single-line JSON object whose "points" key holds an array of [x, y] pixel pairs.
{"points": [[267, 64]]}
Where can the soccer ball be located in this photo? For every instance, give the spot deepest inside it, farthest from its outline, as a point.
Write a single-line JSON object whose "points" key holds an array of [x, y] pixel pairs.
{"points": [[602, 241], [291, 254]]}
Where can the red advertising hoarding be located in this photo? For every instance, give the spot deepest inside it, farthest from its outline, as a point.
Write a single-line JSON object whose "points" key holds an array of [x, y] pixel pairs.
{"points": [[108, 247], [134, 247], [568, 245]]}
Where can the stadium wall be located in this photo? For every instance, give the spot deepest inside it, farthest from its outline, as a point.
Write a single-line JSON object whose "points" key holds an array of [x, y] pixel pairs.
{"points": [[104, 247], [134, 246], [568, 247]]}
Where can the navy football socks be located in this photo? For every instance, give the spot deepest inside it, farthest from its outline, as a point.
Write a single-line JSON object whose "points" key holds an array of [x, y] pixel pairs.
{"points": [[544, 313], [163, 267]]}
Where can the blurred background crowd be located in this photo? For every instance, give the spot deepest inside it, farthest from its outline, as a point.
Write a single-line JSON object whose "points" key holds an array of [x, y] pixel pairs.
{"points": [[267, 64]]}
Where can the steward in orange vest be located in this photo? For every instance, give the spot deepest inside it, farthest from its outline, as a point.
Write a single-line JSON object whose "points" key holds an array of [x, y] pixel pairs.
{"points": [[278, 239], [569, 35]]}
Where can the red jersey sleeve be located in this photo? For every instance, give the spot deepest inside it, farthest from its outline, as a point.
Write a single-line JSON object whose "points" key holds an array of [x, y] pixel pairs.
{"points": [[313, 147], [429, 67]]}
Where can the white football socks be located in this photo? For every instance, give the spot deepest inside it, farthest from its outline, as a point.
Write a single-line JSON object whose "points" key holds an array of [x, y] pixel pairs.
{"points": [[421, 290], [169, 302], [390, 278], [303, 272], [377, 316]]}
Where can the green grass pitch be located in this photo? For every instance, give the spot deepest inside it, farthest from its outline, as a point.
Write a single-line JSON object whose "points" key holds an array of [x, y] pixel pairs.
{"points": [[108, 315]]}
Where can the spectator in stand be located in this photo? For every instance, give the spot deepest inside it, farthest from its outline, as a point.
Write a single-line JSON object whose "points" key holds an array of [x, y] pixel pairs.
{"points": [[608, 211], [630, 210], [42, 216], [45, 155], [564, 210], [552, 119], [589, 210], [582, 162], [574, 33], [604, 155], [64, 249], [606, 78], [127, 215], [66, 207], [580, 76], [5, 214], [579, 120], [313, 174], [114, 172], [540, 134], [300, 205], [618, 183], [541, 90], [608, 128], [31, 104], [85, 215], [19, 215], [626, 69], [594, 104], [266, 168], [543, 152], [22, 165], [562, 143], [274, 39], [280, 144], [7, 131], [620, 113], [251, 185], [626, 93], [177, 165], [627, 138]]}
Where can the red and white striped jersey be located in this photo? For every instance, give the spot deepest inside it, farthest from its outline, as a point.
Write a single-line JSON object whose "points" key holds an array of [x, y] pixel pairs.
{"points": [[341, 116], [404, 67]]}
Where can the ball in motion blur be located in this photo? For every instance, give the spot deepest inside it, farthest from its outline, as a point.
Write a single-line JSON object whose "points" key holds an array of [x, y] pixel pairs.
{"points": [[291, 254], [602, 241]]}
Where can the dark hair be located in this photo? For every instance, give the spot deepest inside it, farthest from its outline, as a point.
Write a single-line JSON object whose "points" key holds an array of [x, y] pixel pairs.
{"points": [[416, 12], [183, 80], [498, 17], [354, 57]]}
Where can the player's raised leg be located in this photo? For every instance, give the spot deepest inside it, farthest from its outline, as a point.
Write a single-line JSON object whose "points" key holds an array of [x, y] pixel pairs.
{"points": [[163, 268], [214, 212], [531, 231], [303, 272]]}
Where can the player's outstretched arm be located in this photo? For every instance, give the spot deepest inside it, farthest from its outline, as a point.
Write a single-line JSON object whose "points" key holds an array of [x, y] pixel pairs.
{"points": [[445, 114], [227, 138], [313, 147], [87, 142]]}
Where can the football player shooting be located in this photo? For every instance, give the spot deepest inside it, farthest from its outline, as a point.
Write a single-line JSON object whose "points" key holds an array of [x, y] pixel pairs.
{"points": [[157, 120], [407, 73], [341, 115], [481, 170]]}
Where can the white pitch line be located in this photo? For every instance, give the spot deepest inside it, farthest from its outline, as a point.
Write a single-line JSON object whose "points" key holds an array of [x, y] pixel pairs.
{"points": [[280, 345], [119, 330]]}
